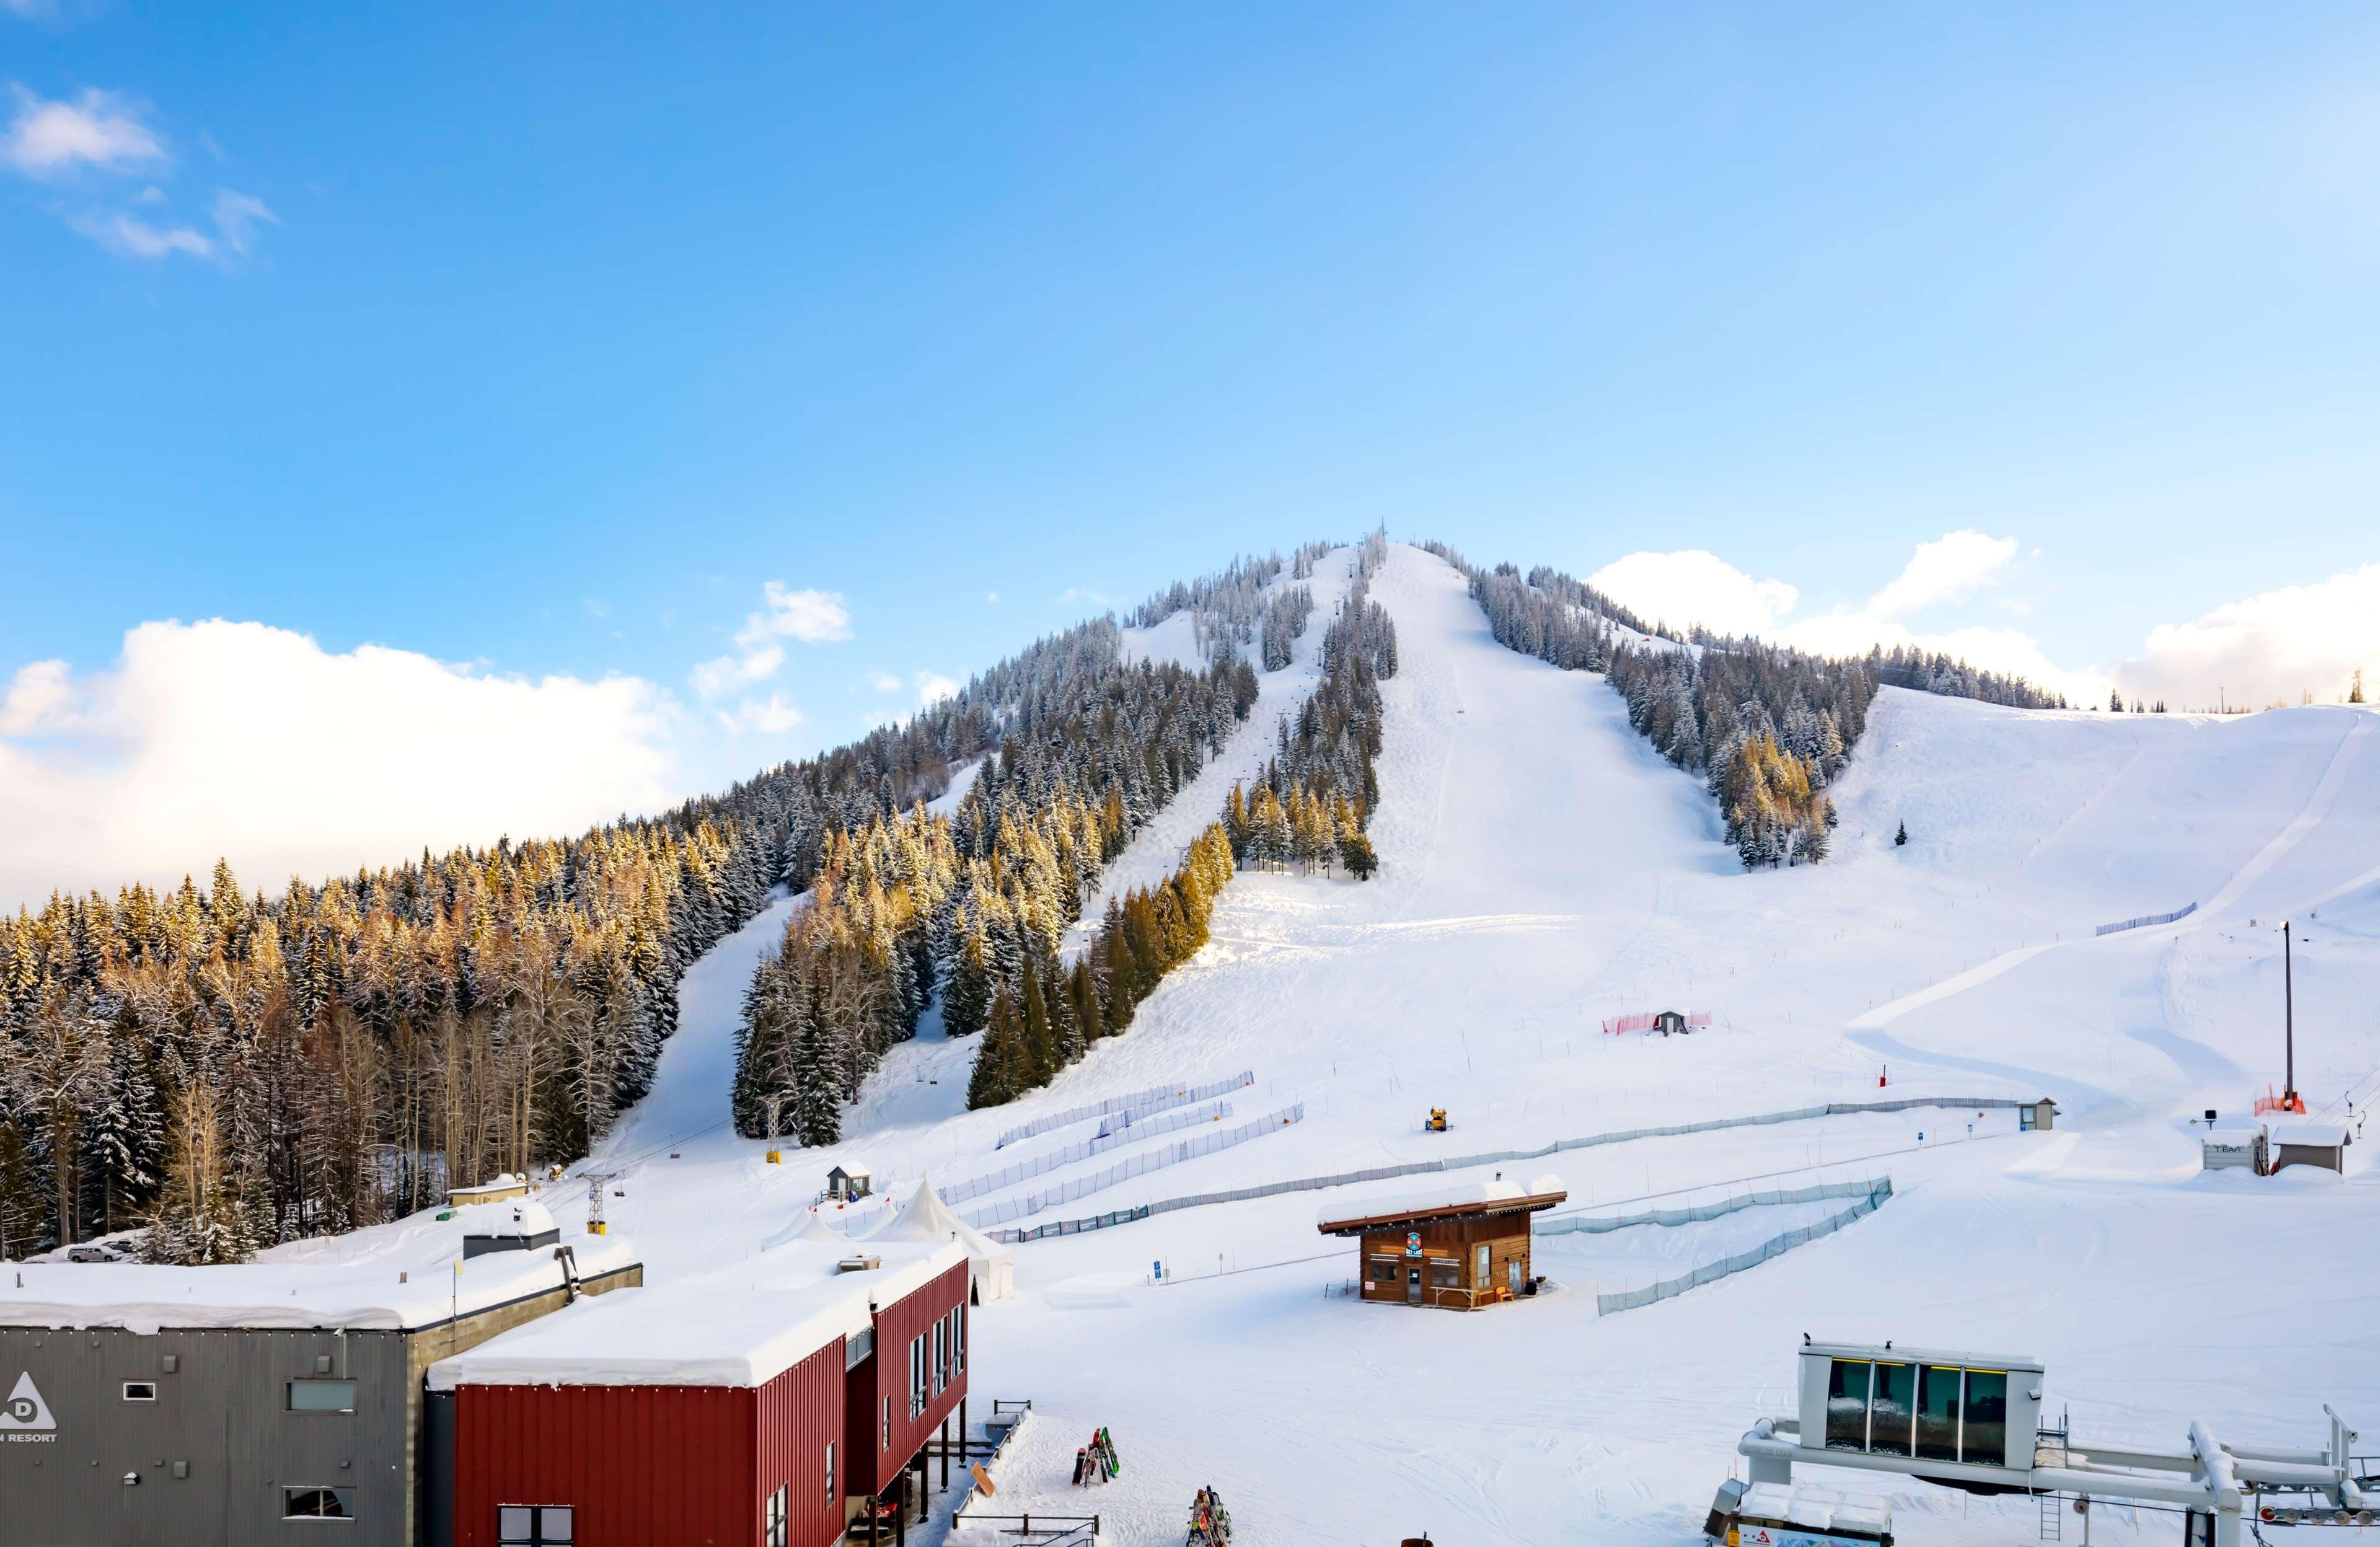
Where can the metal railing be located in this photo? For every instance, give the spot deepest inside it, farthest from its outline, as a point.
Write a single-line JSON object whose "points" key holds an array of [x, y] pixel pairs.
{"points": [[1156, 1100], [1630, 1299]]}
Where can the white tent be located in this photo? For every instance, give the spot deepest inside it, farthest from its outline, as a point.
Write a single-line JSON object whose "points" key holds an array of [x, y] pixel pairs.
{"points": [[991, 1267]]}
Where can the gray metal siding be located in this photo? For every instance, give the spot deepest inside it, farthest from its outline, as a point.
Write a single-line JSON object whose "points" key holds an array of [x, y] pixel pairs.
{"points": [[223, 1414]]}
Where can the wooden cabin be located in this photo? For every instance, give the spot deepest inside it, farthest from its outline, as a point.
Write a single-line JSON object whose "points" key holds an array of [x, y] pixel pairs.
{"points": [[849, 1181], [1458, 1248]]}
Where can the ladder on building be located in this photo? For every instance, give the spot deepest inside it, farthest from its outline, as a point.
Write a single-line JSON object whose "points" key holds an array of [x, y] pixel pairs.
{"points": [[2052, 1520]]}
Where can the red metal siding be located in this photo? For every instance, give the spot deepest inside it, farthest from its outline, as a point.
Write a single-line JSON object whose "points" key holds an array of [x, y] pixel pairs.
{"points": [[801, 1412], [655, 1465], [895, 1325]]}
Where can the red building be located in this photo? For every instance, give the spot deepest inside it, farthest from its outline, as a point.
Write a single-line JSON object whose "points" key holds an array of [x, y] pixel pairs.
{"points": [[762, 1405]]}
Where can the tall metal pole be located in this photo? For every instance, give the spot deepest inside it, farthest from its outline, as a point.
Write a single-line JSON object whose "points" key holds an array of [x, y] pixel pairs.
{"points": [[2289, 1026]]}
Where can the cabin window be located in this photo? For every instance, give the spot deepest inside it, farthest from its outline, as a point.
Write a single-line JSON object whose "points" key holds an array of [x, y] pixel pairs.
{"points": [[317, 1503], [1893, 1409], [1847, 1390], [958, 1335], [321, 1397], [1446, 1275], [774, 1520], [534, 1526], [140, 1390], [1983, 1435], [1384, 1270], [917, 1376], [888, 1423], [1479, 1273], [1937, 1412], [830, 1471]]}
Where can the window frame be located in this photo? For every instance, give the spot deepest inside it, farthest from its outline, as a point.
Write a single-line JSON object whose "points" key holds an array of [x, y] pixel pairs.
{"points": [[775, 1530], [146, 1391], [830, 1474], [344, 1497], [289, 1395], [537, 1536]]}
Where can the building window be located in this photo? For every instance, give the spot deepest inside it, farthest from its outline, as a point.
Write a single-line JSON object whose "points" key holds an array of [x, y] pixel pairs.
{"points": [[1479, 1272], [856, 1350], [887, 1443], [829, 1472], [1847, 1404], [140, 1390], [1937, 1412], [317, 1503], [917, 1376], [534, 1526], [776, 1522], [1384, 1270], [1446, 1275], [958, 1330], [1893, 1411], [321, 1397], [1983, 1431]]}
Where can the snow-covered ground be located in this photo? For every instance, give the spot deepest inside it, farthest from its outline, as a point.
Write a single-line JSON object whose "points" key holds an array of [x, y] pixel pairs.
{"points": [[1541, 871]]}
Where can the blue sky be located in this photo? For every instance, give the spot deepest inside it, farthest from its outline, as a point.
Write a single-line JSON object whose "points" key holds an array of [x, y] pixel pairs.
{"points": [[540, 339]]}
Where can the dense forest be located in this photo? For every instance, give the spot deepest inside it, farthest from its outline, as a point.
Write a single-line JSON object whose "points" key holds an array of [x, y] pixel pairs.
{"points": [[910, 908], [1936, 673], [240, 1068], [1313, 804]]}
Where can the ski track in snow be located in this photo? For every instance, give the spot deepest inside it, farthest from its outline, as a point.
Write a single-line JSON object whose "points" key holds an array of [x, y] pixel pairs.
{"points": [[1542, 868]]}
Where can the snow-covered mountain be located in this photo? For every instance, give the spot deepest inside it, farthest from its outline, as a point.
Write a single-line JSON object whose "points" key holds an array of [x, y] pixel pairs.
{"points": [[1542, 871]]}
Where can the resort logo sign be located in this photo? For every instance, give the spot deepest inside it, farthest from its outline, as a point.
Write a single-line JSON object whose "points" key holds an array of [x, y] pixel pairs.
{"points": [[25, 1417]]}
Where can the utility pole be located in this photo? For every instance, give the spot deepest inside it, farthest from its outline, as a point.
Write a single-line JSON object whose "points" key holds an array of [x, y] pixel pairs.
{"points": [[2290, 1101]]}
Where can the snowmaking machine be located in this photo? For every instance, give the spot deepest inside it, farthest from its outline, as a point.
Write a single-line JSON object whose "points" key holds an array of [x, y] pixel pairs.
{"points": [[1437, 1120]]}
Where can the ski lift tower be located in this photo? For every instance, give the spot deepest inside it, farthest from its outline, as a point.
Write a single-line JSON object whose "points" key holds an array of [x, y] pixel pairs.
{"points": [[595, 1184]]}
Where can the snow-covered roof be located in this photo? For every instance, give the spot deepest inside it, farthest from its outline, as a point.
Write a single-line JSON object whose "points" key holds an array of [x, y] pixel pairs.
{"points": [[2307, 1131], [851, 1168], [420, 1286], [1456, 1197], [526, 1217], [738, 1326], [1806, 1503]]}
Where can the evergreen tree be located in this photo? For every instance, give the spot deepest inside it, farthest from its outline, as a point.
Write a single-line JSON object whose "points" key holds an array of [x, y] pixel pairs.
{"points": [[1901, 837]]}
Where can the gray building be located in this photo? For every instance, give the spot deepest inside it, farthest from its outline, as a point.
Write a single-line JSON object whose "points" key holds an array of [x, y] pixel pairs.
{"points": [[249, 1404]]}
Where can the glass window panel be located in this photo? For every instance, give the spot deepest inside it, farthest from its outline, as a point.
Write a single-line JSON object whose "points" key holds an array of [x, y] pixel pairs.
{"points": [[512, 1524], [1937, 1412], [1847, 1405], [321, 1397], [553, 1524], [1984, 1441], [1892, 1410]]}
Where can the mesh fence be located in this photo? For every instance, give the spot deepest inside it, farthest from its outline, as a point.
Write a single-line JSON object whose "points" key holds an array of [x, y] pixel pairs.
{"points": [[1009, 1209], [1564, 1224], [1494, 1157], [1141, 1103], [1629, 1299], [2147, 918], [1118, 1130]]}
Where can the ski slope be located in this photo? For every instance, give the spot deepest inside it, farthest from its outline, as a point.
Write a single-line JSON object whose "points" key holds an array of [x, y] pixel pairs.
{"points": [[1542, 869]]}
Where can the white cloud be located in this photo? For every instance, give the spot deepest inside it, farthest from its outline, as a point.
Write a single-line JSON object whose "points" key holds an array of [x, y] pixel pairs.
{"points": [[2270, 647], [933, 688], [99, 130], [41, 698], [128, 237], [772, 717], [236, 217], [1691, 587], [1950, 568], [884, 682], [244, 740], [811, 617], [991, 598], [1080, 593]]}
